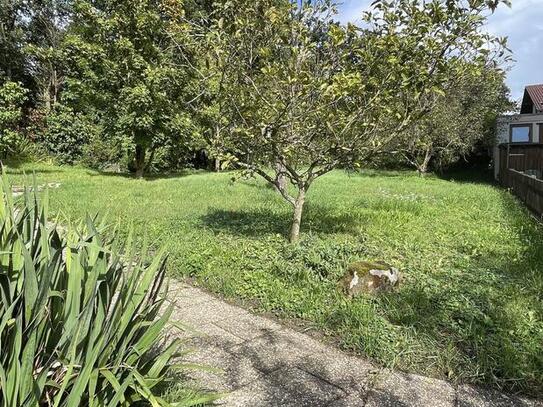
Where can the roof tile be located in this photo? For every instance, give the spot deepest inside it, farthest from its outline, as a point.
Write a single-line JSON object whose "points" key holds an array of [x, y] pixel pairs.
{"points": [[536, 94]]}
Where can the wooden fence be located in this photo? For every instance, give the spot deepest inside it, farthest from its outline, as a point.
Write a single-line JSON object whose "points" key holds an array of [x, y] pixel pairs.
{"points": [[521, 169]]}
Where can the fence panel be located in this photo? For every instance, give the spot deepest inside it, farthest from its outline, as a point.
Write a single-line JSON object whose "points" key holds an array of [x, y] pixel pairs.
{"points": [[521, 169]]}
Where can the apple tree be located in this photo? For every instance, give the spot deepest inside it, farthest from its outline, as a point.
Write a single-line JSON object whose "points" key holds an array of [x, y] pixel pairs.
{"points": [[303, 94]]}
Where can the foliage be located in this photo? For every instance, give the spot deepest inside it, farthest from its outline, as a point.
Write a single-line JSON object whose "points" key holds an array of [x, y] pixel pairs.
{"points": [[45, 26], [469, 306], [65, 133], [309, 95], [80, 315], [31, 33], [12, 97], [170, 78], [459, 121], [177, 151], [12, 36], [104, 152], [122, 63]]}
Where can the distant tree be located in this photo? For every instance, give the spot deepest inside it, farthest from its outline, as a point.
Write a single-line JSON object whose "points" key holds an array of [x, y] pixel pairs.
{"points": [[46, 24], [12, 39], [31, 33], [122, 63], [458, 121], [308, 95]]}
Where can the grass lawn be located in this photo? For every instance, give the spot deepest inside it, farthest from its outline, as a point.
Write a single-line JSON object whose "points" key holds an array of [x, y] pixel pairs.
{"points": [[470, 304]]}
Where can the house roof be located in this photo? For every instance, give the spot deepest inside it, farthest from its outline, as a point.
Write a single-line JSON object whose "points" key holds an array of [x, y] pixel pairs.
{"points": [[535, 94]]}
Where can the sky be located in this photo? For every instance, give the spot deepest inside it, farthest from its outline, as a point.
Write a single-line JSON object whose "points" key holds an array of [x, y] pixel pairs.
{"points": [[522, 24]]}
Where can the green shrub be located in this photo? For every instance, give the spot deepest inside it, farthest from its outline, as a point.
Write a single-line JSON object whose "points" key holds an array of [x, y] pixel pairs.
{"points": [[103, 152], [65, 133], [80, 317], [12, 97]]}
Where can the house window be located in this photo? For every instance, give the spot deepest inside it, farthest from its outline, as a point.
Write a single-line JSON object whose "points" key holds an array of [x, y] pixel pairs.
{"points": [[521, 133]]}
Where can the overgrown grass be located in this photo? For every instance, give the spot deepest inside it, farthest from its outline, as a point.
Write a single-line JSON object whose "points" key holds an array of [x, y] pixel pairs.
{"points": [[470, 305]]}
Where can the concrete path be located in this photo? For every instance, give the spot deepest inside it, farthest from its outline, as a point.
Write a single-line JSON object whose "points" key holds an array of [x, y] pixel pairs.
{"points": [[258, 362]]}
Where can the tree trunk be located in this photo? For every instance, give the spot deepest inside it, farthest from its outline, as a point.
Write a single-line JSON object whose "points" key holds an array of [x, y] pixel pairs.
{"points": [[217, 138], [281, 179], [140, 161], [423, 167], [50, 90], [297, 217], [55, 86]]}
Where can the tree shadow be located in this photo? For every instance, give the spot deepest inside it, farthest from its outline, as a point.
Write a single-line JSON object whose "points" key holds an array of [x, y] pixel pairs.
{"points": [[15, 162], [264, 221], [376, 173], [147, 177], [16, 166], [476, 174], [17, 171]]}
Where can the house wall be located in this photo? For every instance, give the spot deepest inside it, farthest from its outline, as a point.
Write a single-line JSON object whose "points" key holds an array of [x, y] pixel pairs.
{"points": [[502, 132]]}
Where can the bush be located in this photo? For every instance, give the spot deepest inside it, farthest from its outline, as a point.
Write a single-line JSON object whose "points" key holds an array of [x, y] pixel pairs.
{"points": [[12, 97], [66, 133], [102, 152], [80, 318]]}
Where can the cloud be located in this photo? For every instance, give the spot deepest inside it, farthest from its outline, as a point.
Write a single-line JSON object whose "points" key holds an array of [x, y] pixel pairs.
{"points": [[522, 24], [351, 10]]}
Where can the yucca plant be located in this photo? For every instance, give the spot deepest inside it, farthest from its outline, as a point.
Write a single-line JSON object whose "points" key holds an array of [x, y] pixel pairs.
{"points": [[80, 315]]}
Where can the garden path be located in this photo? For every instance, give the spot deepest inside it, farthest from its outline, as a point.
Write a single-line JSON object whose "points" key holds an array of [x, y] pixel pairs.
{"points": [[259, 362]]}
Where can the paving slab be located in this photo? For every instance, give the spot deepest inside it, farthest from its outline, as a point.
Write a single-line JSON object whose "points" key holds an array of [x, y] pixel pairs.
{"points": [[175, 287], [261, 363], [185, 296], [248, 326], [351, 400], [260, 394], [221, 371], [273, 350], [306, 341], [183, 300], [308, 389], [289, 388], [406, 390], [471, 396], [350, 373], [208, 335], [206, 312]]}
